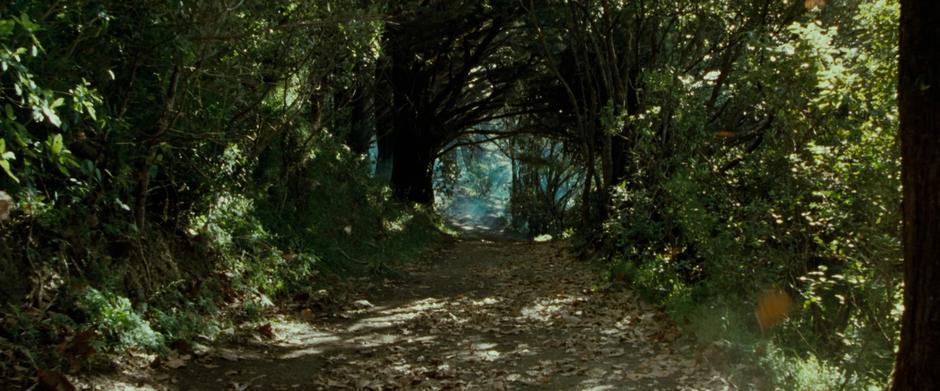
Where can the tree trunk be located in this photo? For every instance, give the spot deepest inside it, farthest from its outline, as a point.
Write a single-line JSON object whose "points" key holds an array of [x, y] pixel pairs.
{"points": [[360, 133], [919, 103], [587, 220], [413, 132], [412, 171], [620, 149], [385, 157], [607, 177], [383, 102], [619, 158], [142, 185]]}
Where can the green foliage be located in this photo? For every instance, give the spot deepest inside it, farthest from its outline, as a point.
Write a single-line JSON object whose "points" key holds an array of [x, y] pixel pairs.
{"points": [[186, 157], [545, 179], [809, 373], [114, 317], [32, 103], [177, 160], [473, 184], [322, 199], [187, 324], [799, 188]]}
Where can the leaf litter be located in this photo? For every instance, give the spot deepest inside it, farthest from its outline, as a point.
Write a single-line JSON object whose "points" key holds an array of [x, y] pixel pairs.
{"points": [[484, 315]]}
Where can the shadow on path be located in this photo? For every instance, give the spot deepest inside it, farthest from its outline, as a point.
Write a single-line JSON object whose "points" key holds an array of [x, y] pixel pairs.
{"points": [[485, 315]]}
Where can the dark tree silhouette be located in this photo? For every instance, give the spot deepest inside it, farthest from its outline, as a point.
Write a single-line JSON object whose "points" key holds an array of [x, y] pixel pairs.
{"points": [[446, 76], [919, 102]]}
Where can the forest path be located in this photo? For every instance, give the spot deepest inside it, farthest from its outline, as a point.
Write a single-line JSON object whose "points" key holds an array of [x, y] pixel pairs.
{"points": [[482, 314]]}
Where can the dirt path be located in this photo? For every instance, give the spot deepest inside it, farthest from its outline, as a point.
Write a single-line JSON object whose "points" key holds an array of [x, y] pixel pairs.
{"points": [[485, 315]]}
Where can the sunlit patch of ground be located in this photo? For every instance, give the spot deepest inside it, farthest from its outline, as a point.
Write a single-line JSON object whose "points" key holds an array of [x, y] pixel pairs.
{"points": [[488, 315], [553, 308]]}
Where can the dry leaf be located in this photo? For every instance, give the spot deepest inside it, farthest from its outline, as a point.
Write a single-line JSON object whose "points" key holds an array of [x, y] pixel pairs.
{"points": [[363, 304], [266, 331], [810, 4], [6, 204], [773, 307], [726, 134], [174, 363], [228, 355]]}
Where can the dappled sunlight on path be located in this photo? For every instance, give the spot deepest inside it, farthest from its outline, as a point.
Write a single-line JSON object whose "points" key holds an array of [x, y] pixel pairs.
{"points": [[485, 315]]}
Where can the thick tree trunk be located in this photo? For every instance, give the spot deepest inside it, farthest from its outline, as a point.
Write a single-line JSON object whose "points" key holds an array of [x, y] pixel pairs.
{"points": [[414, 135], [919, 102], [412, 171], [360, 133]]}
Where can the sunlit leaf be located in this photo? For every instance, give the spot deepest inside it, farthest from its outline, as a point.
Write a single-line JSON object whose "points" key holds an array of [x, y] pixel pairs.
{"points": [[6, 168], [56, 144]]}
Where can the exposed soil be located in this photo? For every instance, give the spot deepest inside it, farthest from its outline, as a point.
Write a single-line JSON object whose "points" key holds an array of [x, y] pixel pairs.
{"points": [[485, 314]]}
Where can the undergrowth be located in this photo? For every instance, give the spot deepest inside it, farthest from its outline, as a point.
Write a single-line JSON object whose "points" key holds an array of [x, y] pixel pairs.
{"points": [[247, 253], [787, 254]]}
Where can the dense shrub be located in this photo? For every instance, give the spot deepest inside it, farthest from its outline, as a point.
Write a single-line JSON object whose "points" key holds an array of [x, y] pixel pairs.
{"points": [[174, 163], [806, 200]]}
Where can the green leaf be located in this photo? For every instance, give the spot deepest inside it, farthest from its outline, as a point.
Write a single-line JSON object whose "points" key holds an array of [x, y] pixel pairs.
{"points": [[51, 115], [6, 168], [27, 23], [21, 135], [90, 108], [6, 27], [63, 164], [55, 144]]}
